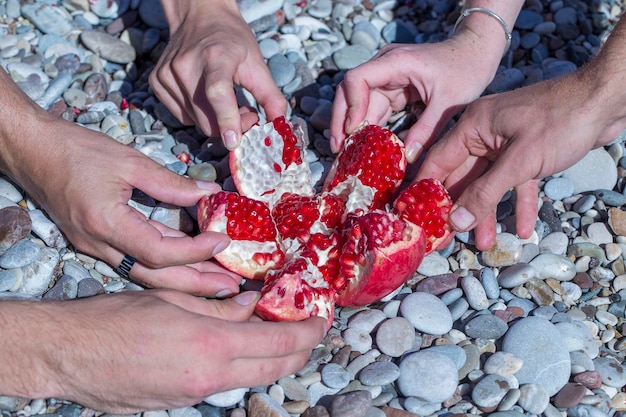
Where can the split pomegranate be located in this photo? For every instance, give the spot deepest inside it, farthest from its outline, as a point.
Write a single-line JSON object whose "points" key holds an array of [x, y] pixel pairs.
{"points": [[351, 244]]}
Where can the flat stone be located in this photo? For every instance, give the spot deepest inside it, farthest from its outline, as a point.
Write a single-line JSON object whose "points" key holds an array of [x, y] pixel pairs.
{"points": [[15, 225], [108, 47]]}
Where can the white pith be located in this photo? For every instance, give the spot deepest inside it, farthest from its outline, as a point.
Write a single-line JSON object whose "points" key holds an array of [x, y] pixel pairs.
{"points": [[356, 194], [256, 176]]}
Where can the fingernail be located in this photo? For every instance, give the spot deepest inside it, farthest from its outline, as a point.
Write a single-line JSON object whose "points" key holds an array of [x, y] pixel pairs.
{"points": [[413, 151], [461, 218], [230, 140], [247, 298], [207, 185], [224, 294], [221, 245]]}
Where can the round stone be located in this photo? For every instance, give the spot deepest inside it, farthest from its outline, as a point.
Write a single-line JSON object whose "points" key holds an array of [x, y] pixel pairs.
{"points": [[419, 370], [427, 313]]}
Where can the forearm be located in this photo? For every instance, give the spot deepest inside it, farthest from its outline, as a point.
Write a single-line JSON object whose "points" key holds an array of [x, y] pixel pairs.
{"points": [[28, 347], [178, 11]]}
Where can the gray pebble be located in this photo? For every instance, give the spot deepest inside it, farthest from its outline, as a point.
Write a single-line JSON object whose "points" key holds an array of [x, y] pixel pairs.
{"points": [[19, 255], [379, 373], [558, 188], [417, 372], [335, 376], [486, 326], [426, 313]]}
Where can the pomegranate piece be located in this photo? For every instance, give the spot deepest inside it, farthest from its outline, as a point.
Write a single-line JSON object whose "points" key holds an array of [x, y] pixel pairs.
{"points": [[427, 204], [296, 292], [369, 169], [254, 247], [352, 244]]}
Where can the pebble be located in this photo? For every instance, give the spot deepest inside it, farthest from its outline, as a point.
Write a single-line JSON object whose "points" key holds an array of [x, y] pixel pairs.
{"points": [[426, 313], [545, 359], [595, 171], [417, 374]]}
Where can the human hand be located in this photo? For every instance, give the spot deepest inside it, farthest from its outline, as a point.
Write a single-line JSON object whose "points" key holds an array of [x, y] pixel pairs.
{"points": [[83, 179], [513, 139], [442, 76], [153, 350], [211, 48]]}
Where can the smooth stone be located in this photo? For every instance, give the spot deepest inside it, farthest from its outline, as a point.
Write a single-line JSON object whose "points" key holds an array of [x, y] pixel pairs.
{"points": [[366, 320], [595, 171], [516, 275], [506, 251], [379, 373], [395, 336], [454, 352], [351, 56], [38, 275], [151, 12], [261, 404], [491, 389], [558, 188], [503, 363], [293, 390], [610, 197], [538, 344], [15, 225], [360, 340], [427, 313], [66, 288], [226, 398], [555, 243], [352, 404], [434, 264], [533, 398], [7, 280], [252, 10], [9, 191], [19, 255], [417, 374], [46, 230], [617, 221], [505, 80], [88, 287], [474, 292], [47, 18], [584, 203], [570, 395], [281, 69], [528, 19], [335, 376], [558, 267], [489, 282], [486, 326], [599, 234], [108, 47], [611, 371]]}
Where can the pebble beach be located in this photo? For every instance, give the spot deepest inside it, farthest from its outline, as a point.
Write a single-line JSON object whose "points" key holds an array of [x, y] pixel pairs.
{"points": [[533, 327]]}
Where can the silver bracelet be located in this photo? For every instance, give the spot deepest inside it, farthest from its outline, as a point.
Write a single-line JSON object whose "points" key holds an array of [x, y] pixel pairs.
{"points": [[507, 31]]}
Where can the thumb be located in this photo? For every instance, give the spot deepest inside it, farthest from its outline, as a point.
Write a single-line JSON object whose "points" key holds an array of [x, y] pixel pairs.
{"points": [[481, 197], [238, 308], [424, 132], [164, 185]]}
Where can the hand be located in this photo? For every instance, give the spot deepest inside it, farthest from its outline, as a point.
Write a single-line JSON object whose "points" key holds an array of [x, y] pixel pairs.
{"points": [[84, 180], [151, 350], [211, 48], [442, 76], [513, 139]]}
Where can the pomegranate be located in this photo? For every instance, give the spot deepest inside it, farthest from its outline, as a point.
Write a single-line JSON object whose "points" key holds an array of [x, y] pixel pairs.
{"points": [[351, 244]]}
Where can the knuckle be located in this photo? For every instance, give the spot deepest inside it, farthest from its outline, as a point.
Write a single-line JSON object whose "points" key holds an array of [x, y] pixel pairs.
{"points": [[218, 90]]}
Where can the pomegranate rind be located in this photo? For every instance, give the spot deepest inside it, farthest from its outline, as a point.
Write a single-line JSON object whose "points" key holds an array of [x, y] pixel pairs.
{"points": [[295, 293], [379, 269], [268, 163]]}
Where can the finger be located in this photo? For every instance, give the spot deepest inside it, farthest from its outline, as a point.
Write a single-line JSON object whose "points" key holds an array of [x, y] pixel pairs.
{"points": [[276, 339], [482, 196], [238, 308], [338, 119], [220, 93], [445, 156], [357, 95], [161, 82], [485, 233], [526, 208], [264, 371], [166, 186], [266, 93], [146, 243]]}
